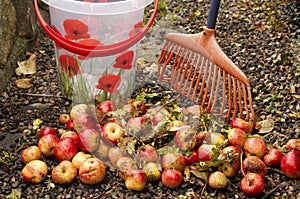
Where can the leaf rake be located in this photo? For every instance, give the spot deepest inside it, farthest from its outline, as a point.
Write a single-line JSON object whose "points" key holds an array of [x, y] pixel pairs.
{"points": [[196, 67]]}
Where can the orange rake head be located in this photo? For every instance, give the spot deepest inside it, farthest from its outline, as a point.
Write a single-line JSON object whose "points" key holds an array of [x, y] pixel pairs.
{"points": [[196, 67]]}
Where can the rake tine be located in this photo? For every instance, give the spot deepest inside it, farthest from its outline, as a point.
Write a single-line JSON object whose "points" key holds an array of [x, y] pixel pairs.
{"points": [[216, 90], [240, 106], [224, 94], [187, 65], [191, 69], [212, 88], [245, 101], [203, 80]]}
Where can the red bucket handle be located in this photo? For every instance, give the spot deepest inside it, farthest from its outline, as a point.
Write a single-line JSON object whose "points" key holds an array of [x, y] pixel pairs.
{"points": [[95, 51]]}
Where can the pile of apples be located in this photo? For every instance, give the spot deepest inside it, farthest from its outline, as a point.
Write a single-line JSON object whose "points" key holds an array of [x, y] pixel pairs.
{"points": [[147, 144]]}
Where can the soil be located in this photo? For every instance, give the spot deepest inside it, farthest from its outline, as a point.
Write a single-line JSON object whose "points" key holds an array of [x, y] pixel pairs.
{"points": [[261, 37]]}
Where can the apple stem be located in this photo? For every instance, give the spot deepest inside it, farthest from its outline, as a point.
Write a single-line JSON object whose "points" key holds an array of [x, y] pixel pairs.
{"points": [[241, 162]]}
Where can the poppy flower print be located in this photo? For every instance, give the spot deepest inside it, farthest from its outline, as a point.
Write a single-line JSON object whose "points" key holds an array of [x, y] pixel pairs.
{"points": [[109, 83], [136, 28], [124, 60], [75, 29], [91, 42], [69, 65]]}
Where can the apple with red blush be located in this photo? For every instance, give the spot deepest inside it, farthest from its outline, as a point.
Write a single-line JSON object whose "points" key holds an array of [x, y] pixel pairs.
{"points": [[138, 108], [135, 124], [64, 118], [46, 130], [83, 122], [148, 153], [47, 144], [92, 171], [255, 146], [290, 164], [272, 157], [64, 173], [70, 125], [115, 153], [252, 184], [31, 153], [206, 152], [34, 171], [135, 179], [113, 132], [106, 106], [88, 140], [65, 149], [236, 137], [191, 157], [293, 144], [171, 178], [70, 134], [242, 124], [78, 110]]}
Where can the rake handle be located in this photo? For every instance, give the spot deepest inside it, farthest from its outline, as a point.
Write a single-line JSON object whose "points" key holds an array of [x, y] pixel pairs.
{"points": [[212, 14]]}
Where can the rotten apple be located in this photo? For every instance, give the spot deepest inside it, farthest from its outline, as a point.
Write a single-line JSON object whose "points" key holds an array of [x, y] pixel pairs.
{"points": [[185, 138], [152, 171], [254, 164], [293, 144], [79, 158], [35, 171], [173, 160], [88, 140]]}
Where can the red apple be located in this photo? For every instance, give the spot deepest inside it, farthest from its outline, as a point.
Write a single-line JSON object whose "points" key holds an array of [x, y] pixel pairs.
{"points": [[31, 153], [106, 106], [88, 140], [293, 144], [252, 184], [158, 115], [290, 164], [236, 137], [135, 124], [242, 124], [191, 158], [92, 171], [70, 134], [217, 180], [115, 153], [205, 152], [255, 146], [70, 125], [35, 171], [83, 122], [65, 149], [113, 131], [273, 157], [64, 118], [78, 110], [46, 130], [185, 138], [136, 180], [79, 158], [194, 110], [171, 178], [254, 164], [64, 173], [233, 152], [152, 171], [47, 143], [148, 153], [173, 160]]}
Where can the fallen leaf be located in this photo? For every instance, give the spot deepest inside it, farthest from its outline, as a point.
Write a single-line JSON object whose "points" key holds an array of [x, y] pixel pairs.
{"points": [[27, 67], [201, 175], [23, 83], [266, 126]]}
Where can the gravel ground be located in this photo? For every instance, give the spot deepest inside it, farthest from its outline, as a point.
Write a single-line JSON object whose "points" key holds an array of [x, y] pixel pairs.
{"points": [[261, 37]]}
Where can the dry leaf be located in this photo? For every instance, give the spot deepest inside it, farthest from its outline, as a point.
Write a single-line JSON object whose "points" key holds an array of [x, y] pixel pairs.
{"points": [[201, 175], [27, 67], [266, 126], [23, 83]]}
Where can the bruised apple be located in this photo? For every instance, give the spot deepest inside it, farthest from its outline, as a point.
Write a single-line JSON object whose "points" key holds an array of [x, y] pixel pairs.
{"points": [[79, 158], [88, 140], [255, 165], [92, 171], [35, 171], [31, 153], [64, 173]]}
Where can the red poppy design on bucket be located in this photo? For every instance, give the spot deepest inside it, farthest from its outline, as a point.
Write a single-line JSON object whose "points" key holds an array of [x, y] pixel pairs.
{"points": [[136, 28], [76, 29], [109, 83], [124, 60], [69, 65], [91, 42]]}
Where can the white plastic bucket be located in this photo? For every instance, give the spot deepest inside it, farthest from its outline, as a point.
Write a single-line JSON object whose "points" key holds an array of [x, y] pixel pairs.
{"points": [[96, 46]]}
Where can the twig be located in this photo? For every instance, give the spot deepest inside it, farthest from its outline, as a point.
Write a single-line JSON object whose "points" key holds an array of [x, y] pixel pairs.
{"points": [[270, 192], [43, 95], [278, 171], [202, 191]]}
